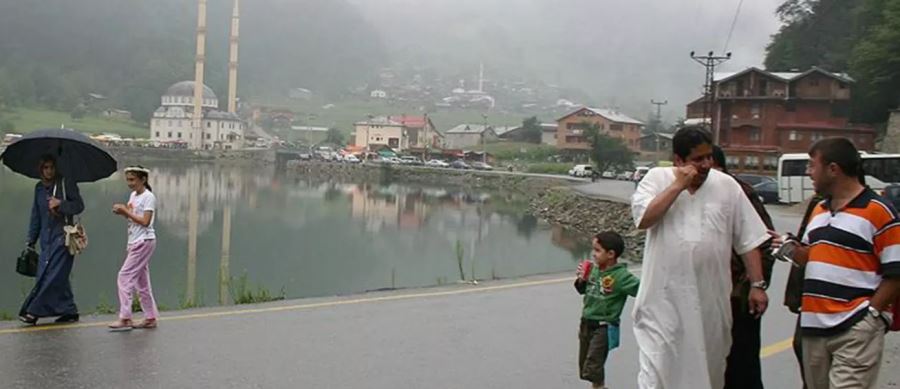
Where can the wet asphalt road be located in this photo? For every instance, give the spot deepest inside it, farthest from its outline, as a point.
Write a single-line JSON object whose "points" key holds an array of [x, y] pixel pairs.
{"points": [[521, 336], [507, 334]]}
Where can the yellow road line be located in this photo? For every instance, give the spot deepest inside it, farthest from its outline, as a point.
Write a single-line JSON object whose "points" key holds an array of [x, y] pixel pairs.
{"points": [[768, 351], [301, 306], [776, 348]]}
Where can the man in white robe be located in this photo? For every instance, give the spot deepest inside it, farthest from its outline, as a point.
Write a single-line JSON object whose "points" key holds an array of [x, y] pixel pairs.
{"points": [[693, 216]]}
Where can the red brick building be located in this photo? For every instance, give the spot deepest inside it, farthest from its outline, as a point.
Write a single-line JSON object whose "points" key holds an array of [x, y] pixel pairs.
{"points": [[571, 129], [758, 115]]}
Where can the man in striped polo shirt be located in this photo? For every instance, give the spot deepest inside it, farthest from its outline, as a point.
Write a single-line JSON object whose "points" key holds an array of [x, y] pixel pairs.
{"points": [[851, 250]]}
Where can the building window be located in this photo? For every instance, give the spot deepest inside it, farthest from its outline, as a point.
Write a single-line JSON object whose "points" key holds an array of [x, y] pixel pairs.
{"points": [[813, 82], [842, 85], [751, 162], [208, 136], [208, 124], [754, 135], [157, 134], [170, 134], [794, 135], [790, 106], [770, 163], [732, 162], [817, 136], [577, 126], [763, 88], [839, 110], [179, 135], [170, 123], [754, 111]]}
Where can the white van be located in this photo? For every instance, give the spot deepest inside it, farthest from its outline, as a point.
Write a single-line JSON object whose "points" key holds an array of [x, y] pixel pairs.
{"points": [[581, 171]]}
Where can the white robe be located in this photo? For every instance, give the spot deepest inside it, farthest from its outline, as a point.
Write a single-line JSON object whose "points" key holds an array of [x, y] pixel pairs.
{"points": [[682, 314]]}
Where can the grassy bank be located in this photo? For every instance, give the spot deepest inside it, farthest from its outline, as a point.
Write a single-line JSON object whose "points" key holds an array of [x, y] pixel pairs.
{"points": [[30, 119]]}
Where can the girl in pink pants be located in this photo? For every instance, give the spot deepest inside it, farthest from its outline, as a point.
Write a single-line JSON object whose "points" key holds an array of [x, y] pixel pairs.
{"points": [[135, 272]]}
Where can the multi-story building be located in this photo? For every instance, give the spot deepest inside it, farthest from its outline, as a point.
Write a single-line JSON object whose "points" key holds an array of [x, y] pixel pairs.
{"points": [[571, 129], [400, 133], [757, 115]]}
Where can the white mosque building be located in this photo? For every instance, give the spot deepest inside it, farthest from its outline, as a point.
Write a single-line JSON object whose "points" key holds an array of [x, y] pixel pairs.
{"points": [[172, 122]]}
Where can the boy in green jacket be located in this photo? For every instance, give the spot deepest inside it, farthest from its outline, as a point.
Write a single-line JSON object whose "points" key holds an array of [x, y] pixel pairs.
{"points": [[605, 284]]}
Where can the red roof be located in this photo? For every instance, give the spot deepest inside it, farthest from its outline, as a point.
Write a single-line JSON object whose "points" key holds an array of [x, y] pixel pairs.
{"points": [[410, 121]]}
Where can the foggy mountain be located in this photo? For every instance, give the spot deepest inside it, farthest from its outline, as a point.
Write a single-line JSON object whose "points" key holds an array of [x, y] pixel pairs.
{"points": [[620, 52], [55, 52], [617, 52]]}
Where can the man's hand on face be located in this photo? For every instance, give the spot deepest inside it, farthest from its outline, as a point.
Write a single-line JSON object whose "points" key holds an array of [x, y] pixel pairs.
{"points": [[684, 176]]}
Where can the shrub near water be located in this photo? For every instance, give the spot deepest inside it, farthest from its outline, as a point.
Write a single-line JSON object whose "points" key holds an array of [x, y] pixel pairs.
{"points": [[549, 168], [242, 293]]}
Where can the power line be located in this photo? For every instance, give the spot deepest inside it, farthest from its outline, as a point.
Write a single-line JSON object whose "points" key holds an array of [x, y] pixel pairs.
{"points": [[737, 13]]}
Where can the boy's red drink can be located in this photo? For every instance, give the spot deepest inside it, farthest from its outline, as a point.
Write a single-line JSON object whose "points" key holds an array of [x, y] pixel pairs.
{"points": [[586, 269]]}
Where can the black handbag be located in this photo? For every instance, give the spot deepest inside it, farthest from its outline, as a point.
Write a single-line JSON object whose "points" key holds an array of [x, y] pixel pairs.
{"points": [[27, 263]]}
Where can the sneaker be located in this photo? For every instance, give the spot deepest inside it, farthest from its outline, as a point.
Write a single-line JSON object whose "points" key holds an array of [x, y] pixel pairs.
{"points": [[121, 325], [147, 324]]}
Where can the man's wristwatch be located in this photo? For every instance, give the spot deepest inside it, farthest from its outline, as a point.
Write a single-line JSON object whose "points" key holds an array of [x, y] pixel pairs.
{"points": [[760, 285]]}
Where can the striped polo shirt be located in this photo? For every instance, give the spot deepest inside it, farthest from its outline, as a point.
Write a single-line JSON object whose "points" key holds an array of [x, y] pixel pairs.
{"points": [[851, 249]]}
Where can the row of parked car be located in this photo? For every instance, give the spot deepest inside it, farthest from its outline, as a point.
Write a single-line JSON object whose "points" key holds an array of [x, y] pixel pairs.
{"points": [[408, 161], [588, 171]]}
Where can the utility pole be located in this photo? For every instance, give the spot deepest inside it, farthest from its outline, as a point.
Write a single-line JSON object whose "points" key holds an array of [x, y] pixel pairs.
{"points": [[658, 105], [710, 61], [483, 146]]}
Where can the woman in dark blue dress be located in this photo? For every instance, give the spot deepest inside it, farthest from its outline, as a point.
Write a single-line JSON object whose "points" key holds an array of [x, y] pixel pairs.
{"points": [[52, 293]]}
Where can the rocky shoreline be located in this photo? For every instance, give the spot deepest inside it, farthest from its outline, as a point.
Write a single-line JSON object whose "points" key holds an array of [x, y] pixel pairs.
{"points": [[550, 199], [588, 215]]}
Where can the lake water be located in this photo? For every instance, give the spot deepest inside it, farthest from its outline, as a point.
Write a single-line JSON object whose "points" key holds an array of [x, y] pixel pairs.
{"points": [[223, 228]]}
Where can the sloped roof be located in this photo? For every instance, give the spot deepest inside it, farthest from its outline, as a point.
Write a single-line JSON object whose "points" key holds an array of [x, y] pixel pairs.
{"points": [[609, 114], [468, 129], [784, 76]]}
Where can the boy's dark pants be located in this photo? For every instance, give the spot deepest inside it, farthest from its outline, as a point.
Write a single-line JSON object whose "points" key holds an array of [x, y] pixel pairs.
{"points": [[592, 351], [744, 370]]}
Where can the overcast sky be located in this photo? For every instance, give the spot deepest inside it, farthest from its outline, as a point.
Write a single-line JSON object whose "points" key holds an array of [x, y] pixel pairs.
{"points": [[621, 52]]}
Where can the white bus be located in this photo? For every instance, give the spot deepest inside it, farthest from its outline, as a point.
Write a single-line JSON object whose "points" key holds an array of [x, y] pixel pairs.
{"points": [[795, 186]]}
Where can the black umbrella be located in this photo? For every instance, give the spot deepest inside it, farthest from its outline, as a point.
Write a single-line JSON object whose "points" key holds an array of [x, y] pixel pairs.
{"points": [[78, 157]]}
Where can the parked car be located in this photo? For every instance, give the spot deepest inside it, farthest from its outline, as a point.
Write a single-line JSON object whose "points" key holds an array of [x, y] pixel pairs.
{"points": [[481, 166], [755, 179], [892, 193], [410, 160], [304, 156], [767, 192], [581, 171], [460, 164], [437, 163], [609, 174], [350, 158], [625, 176]]}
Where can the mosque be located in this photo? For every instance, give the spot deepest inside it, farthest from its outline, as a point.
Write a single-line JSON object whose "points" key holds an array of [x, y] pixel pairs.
{"points": [[189, 116]]}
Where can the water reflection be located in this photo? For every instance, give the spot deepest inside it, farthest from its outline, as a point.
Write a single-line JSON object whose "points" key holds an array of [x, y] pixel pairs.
{"points": [[304, 236]]}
